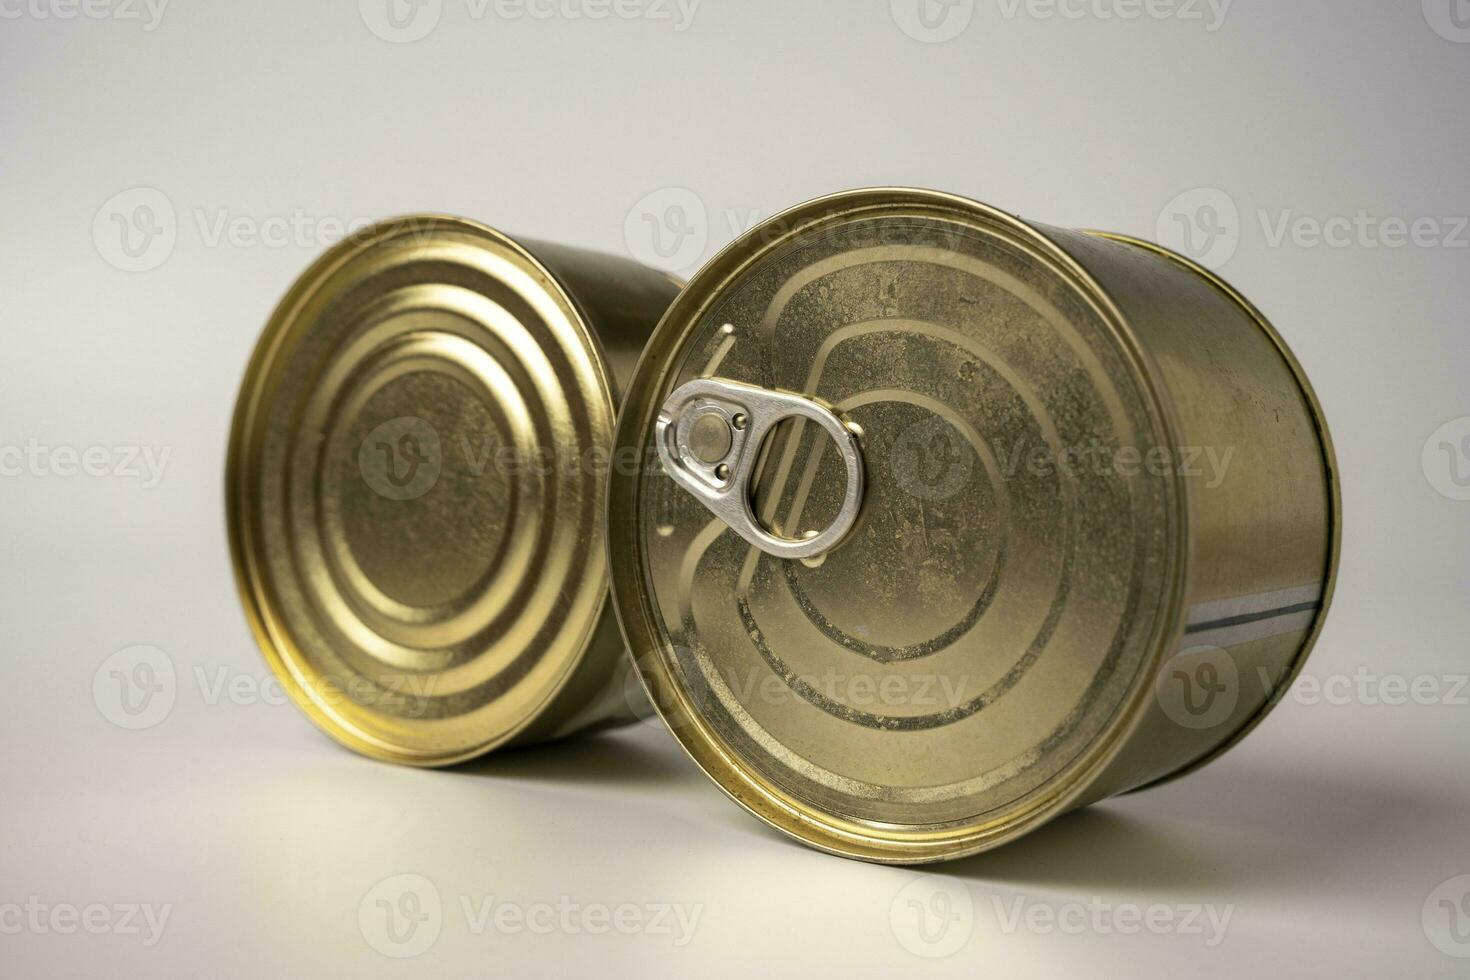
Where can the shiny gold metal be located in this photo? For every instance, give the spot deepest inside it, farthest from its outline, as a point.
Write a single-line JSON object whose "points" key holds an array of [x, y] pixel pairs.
{"points": [[1097, 538], [415, 487]]}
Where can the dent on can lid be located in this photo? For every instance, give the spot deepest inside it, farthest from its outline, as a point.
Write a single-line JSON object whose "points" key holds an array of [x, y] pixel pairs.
{"points": [[946, 675], [416, 560]]}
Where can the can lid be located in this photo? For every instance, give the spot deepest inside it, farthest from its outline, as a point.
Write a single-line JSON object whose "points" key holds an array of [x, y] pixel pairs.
{"points": [[949, 670], [414, 506]]}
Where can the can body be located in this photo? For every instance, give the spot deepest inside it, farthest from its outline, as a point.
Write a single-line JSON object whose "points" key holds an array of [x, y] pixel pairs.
{"points": [[415, 485], [1081, 522], [1264, 512], [622, 301]]}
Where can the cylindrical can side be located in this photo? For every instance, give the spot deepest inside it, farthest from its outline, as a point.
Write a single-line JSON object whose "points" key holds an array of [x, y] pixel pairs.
{"points": [[622, 301], [1253, 455]]}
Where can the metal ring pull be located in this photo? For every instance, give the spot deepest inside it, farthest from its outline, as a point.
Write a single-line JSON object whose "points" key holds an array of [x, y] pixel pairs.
{"points": [[709, 434]]}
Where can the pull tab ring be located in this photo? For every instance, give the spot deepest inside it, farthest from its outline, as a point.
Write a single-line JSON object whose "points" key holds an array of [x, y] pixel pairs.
{"points": [[709, 433]]}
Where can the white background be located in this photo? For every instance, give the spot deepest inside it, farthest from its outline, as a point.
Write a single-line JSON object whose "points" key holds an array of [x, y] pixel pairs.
{"points": [[251, 132]]}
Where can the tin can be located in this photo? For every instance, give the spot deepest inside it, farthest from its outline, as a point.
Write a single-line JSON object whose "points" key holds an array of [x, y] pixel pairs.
{"points": [[962, 521], [415, 487]]}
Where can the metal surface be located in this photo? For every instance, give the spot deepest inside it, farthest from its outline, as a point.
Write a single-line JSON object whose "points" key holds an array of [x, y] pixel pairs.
{"points": [[1098, 534], [415, 487], [710, 434]]}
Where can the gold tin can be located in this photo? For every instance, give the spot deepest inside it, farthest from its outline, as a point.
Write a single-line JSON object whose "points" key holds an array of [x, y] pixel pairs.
{"points": [[415, 487], [962, 521]]}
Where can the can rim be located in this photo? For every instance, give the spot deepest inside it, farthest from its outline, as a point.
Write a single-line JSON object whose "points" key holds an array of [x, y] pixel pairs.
{"points": [[1334, 493], [880, 843], [266, 624]]}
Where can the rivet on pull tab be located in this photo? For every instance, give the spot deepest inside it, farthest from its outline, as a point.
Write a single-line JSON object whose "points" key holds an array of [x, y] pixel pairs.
{"points": [[709, 434]]}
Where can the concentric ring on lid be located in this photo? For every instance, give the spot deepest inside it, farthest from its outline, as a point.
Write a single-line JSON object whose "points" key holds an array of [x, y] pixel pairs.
{"points": [[947, 676], [414, 501]]}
